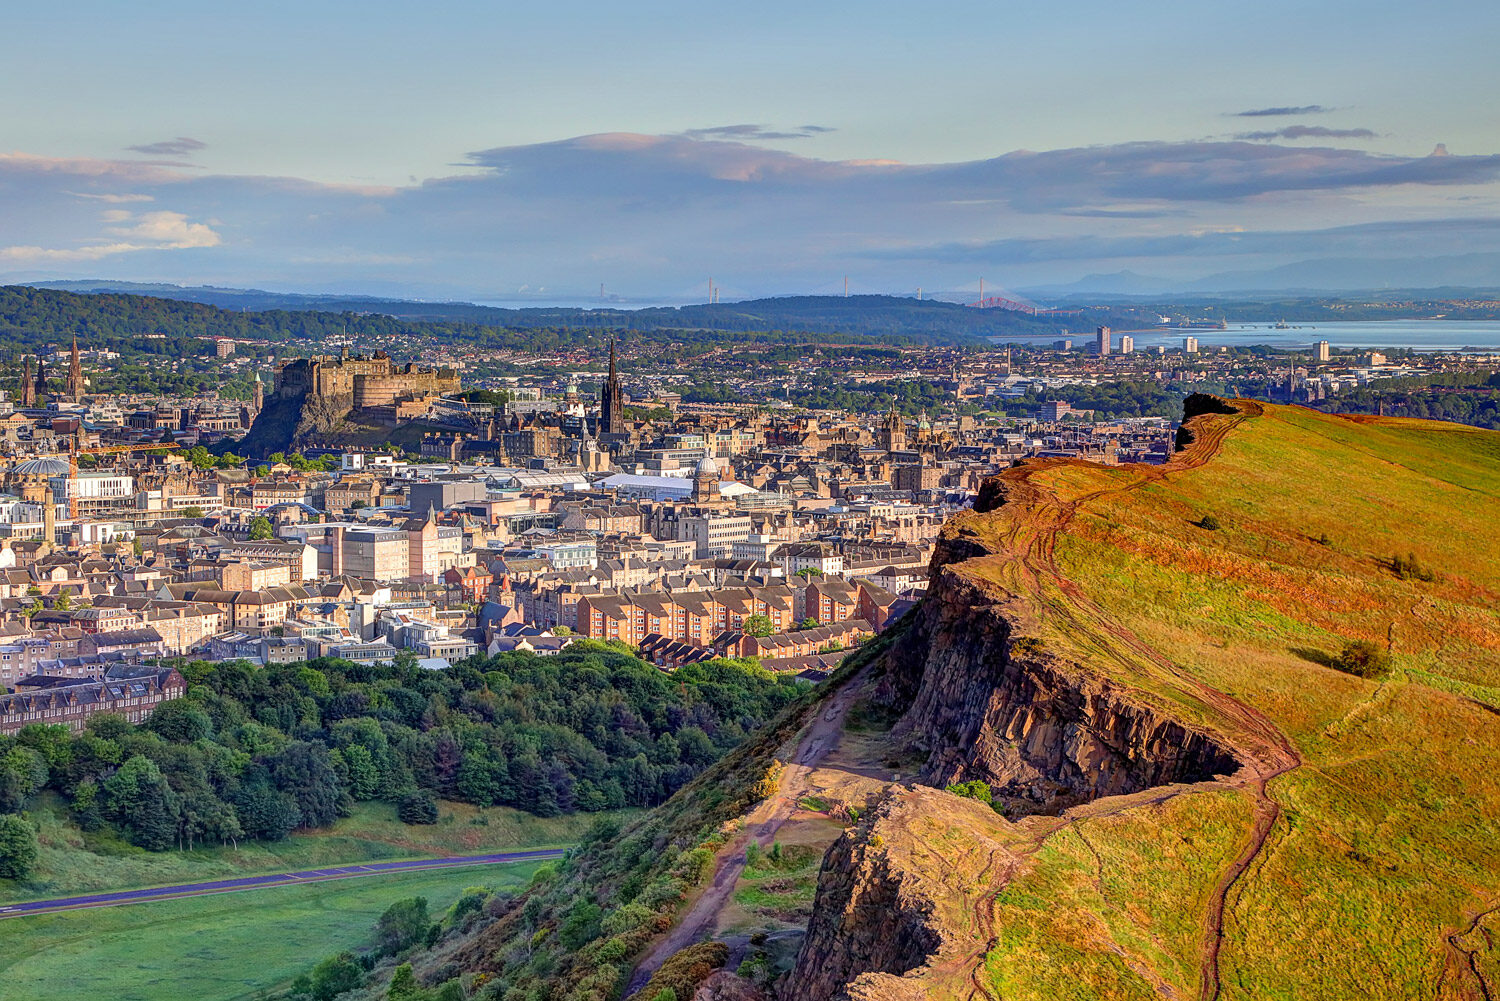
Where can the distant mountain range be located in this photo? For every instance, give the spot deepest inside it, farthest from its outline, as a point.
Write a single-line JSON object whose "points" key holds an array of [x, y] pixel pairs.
{"points": [[865, 315], [1453, 275]]}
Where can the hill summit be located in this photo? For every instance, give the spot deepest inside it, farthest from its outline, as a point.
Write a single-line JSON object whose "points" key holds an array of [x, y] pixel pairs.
{"points": [[1220, 728]]}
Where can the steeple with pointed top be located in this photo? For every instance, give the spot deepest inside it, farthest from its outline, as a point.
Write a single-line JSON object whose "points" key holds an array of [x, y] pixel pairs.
{"points": [[75, 374], [28, 388], [612, 399]]}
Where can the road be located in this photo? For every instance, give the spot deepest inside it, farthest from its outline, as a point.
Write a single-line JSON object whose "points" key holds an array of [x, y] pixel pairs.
{"points": [[271, 879]]}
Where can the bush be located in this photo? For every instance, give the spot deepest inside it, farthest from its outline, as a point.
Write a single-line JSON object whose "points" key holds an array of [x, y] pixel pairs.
{"points": [[402, 926], [419, 807], [1407, 568], [1209, 522], [976, 789], [1362, 658], [684, 971], [18, 847]]}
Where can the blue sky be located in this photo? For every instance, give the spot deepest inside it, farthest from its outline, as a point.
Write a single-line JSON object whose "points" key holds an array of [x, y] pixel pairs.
{"points": [[500, 150]]}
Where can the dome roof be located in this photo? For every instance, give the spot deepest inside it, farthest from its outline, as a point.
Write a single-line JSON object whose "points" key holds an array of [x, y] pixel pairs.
{"points": [[43, 467], [707, 466]]}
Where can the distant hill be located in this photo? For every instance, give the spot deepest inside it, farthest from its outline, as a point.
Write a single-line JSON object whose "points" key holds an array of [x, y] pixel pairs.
{"points": [[860, 315]]}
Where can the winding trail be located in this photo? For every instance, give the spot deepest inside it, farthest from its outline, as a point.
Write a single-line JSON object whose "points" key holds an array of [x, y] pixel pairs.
{"points": [[1032, 541], [172, 892], [813, 745]]}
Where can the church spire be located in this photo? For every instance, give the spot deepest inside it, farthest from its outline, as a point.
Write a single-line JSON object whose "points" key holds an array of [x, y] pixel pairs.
{"points": [[75, 374], [612, 399]]}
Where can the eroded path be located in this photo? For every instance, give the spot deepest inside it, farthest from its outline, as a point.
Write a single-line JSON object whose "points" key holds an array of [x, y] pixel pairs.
{"points": [[814, 743], [1032, 540]]}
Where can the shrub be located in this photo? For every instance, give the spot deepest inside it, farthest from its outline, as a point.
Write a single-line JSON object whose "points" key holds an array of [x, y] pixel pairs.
{"points": [[977, 789], [1407, 568], [18, 847], [418, 808], [1209, 522], [402, 926], [681, 974], [1362, 658]]}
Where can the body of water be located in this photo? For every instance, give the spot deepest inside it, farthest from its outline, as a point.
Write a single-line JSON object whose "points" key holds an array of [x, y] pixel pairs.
{"points": [[1422, 335]]}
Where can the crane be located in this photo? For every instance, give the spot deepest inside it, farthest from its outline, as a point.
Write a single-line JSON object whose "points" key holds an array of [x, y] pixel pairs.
{"points": [[72, 455]]}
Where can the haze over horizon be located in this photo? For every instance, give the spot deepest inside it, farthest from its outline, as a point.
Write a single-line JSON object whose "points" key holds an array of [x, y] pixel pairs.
{"points": [[471, 152]]}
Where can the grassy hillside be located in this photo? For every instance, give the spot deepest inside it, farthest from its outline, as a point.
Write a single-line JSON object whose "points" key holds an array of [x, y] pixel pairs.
{"points": [[222, 947], [72, 861], [1378, 860]]}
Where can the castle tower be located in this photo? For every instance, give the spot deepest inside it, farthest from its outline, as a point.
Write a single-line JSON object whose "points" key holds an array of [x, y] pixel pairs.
{"points": [[612, 399], [75, 374]]}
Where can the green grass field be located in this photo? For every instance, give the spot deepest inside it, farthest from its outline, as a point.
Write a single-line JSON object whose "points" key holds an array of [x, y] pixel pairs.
{"points": [[220, 947], [1385, 841], [73, 862]]}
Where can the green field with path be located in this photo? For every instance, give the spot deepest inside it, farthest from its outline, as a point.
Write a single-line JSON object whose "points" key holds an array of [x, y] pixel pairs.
{"points": [[218, 947], [73, 862]]}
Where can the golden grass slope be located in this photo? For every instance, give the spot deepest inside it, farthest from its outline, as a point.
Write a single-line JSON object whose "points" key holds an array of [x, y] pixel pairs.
{"points": [[1379, 870]]}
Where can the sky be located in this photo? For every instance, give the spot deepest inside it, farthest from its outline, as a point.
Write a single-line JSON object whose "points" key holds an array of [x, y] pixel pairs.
{"points": [[501, 151]]}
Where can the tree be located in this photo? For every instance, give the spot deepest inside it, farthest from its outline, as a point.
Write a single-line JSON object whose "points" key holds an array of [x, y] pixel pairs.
{"points": [[418, 807], [18, 848], [809, 623], [757, 625], [402, 926], [335, 975], [808, 573], [180, 720], [192, 511], [304, 772], [260, 528], [63, 602], [23, 771], [976, 789], [138, 798], [403, 984], [1362, 658]]}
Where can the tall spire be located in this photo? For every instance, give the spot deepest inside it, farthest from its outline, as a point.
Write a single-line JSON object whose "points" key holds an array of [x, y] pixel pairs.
{"points": [[75, 374], [612, 399], [28, 388]]}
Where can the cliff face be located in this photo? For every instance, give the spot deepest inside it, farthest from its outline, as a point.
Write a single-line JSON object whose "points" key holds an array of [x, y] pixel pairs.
{"points": [[290, 419], [984, 701], [884, 914], [988, 704]]}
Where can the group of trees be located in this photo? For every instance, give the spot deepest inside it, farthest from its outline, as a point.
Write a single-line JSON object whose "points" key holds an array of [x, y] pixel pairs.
{"points": [[1475, 402], [258, 752]]}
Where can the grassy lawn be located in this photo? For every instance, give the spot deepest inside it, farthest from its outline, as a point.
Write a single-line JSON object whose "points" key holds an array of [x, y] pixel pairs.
{"points": [[74, 862], [221, 947]]}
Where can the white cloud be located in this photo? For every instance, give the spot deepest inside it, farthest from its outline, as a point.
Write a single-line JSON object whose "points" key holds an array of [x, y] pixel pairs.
{"points": [[164, 230], [113, 199], [147, 231]]}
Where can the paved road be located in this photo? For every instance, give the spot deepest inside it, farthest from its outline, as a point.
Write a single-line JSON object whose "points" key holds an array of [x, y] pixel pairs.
{"points": [[272, 879]]}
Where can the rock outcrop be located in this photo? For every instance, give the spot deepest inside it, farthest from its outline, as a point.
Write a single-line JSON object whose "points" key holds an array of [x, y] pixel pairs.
{"points": [[983, 699], [884, 913], [989, 704]]}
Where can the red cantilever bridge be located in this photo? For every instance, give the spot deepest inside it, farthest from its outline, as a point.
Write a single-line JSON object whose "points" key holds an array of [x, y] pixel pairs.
{"points": [[1005, 300]]}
